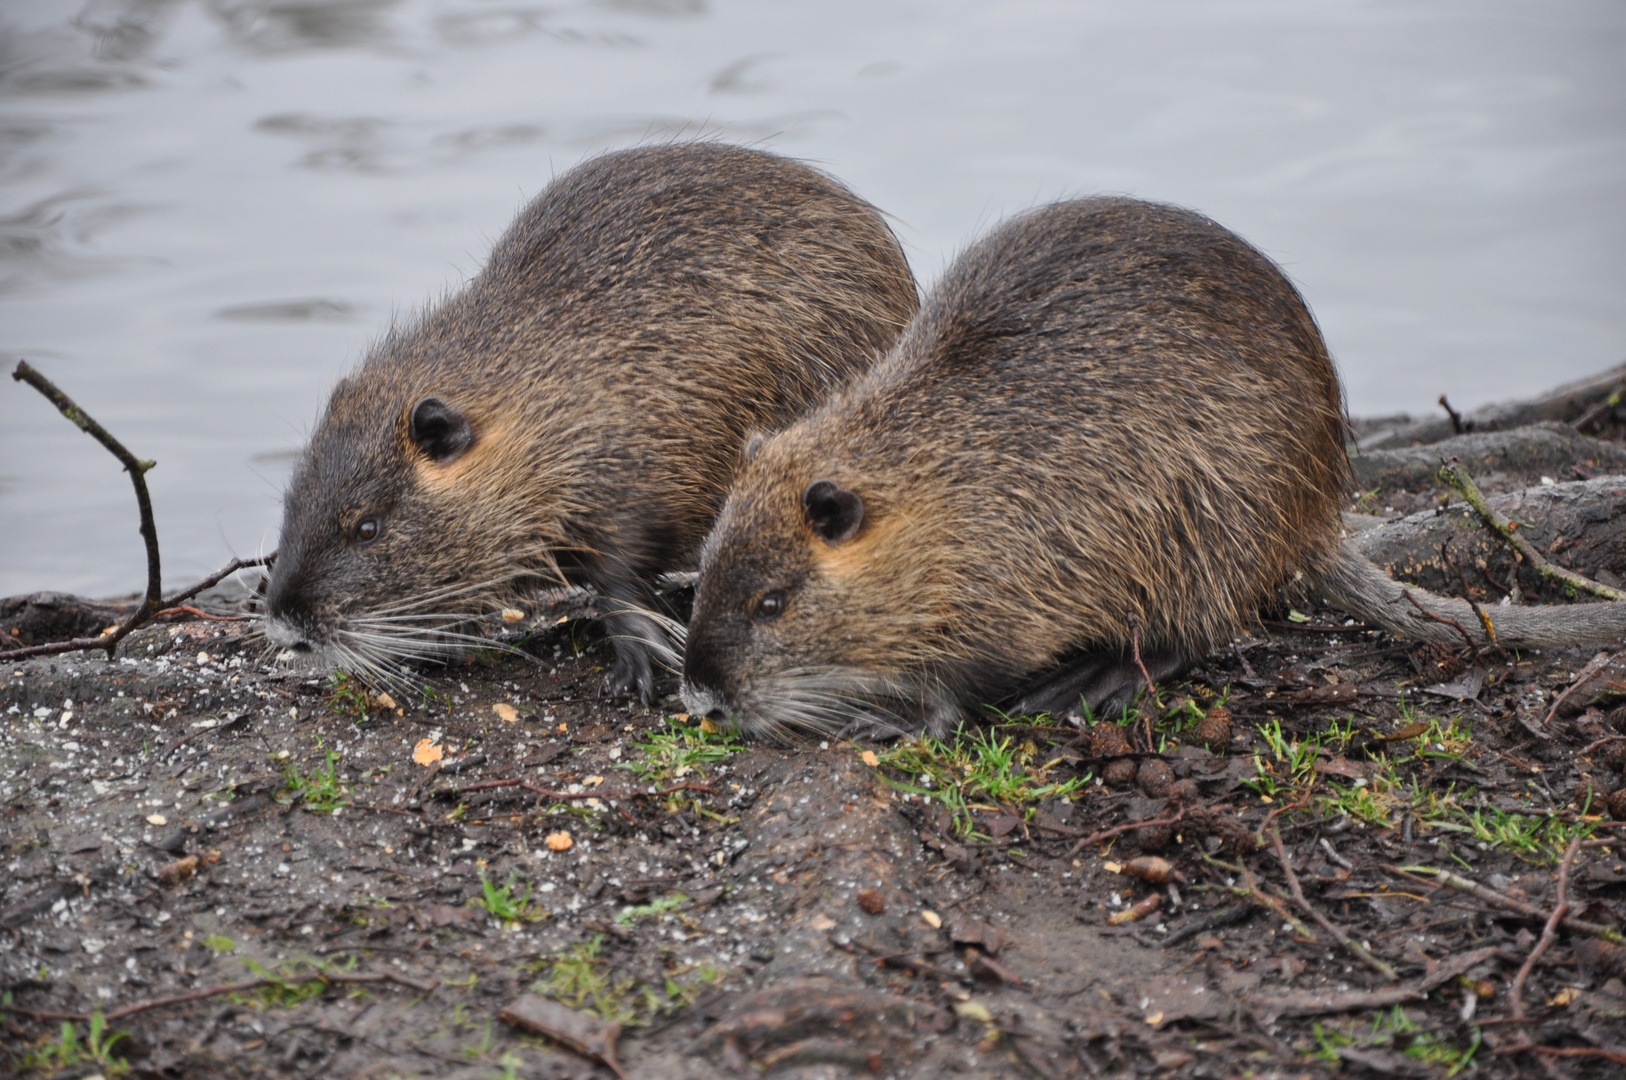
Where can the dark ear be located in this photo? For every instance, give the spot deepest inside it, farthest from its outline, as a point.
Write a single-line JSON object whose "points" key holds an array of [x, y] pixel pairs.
{"points": [[440, 430], [834, 513], [752, 445]]}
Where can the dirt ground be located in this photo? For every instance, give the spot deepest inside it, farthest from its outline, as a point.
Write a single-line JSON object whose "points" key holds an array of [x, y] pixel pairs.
{"points": [[241, 870]]}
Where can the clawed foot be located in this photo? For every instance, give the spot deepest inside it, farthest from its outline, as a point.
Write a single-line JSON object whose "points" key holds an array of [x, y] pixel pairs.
{"points": [[632, 674]]}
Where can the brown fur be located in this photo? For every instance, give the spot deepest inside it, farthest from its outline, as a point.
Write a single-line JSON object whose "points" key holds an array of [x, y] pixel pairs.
{"points": [[1113, 423], [637, 321], [1111, 418]]}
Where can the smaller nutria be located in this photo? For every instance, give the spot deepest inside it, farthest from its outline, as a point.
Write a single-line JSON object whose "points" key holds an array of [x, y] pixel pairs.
{"points": [[1113, 425], [575, 413]]}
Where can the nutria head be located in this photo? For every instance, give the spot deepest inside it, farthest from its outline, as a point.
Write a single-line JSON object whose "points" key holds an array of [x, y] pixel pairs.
{"points": [[815, 610], [411, 511]]}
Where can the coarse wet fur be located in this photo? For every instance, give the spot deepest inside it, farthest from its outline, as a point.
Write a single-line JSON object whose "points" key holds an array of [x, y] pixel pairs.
{"points": [[1112, 428], [575, 413]]}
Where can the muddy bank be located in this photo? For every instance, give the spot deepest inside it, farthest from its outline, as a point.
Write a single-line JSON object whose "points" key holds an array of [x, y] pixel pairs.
{"points": [[258, 872]]}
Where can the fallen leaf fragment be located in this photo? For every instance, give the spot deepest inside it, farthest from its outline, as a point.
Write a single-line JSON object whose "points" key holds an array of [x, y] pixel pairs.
{"points": [[1564, 996], [427, 752], [1410, 731], [559, 841], [1342, 766], [988, 969], [1139, 910], [870, 759], [593, 781], [384, 701], [973, 1010], [967, 931], [587, 1035], [708, 727], [177, 871], [821, 923], [505, 712]]}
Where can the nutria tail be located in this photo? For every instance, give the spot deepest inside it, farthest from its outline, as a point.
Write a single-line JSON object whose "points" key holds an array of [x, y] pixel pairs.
{"points": [[1353, 582]]}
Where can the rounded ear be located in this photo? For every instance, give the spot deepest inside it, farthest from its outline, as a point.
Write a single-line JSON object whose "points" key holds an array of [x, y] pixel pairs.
{"points": [[752, 444], [440, 430], [835, 513]]}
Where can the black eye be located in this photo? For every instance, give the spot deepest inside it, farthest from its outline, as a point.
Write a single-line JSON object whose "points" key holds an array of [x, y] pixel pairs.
{"points": [[366, 530], [768, 607]]}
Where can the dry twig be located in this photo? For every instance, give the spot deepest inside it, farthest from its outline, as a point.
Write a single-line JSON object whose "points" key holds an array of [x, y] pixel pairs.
{"points": [[1314, 1003], [1424, 613], [153, 602], [1350, 945], [1491, 896], [1107, 834], [563, 796], [1454, 475], [1549, 933], [136, 467], [228, 988], [1592, 667]]}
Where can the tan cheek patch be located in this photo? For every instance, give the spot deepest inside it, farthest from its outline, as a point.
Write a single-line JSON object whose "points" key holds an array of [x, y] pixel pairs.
{"points": [[492, 444], [844, 560]]}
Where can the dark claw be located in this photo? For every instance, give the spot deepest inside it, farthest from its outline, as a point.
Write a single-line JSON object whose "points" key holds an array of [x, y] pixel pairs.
{"points": [[633, 671]]}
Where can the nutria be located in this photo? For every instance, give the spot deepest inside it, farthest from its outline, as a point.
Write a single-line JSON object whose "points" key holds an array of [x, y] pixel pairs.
{"points": [[575, 412], [1113, 425]]}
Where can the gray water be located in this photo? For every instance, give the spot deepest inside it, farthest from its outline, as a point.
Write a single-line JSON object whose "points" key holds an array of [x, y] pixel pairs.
{"points": [[208, 209]]}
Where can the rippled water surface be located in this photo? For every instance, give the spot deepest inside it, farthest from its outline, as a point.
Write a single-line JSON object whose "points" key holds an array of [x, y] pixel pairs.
{"points": [[207, 209]]}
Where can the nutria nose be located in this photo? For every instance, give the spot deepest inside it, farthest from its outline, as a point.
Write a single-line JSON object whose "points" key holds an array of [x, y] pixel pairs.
{"points": [[701, 701]]}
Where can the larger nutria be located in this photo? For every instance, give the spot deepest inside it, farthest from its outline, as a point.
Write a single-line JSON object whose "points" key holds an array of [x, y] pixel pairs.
{"points": [[575, 413], [1112, 425]]}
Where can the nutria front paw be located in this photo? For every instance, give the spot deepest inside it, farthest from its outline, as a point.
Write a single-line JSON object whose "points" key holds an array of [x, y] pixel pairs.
{"points": [[633, 672]]}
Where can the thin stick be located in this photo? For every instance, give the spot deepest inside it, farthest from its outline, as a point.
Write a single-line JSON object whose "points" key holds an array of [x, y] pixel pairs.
{"points": [[153, 601], [196, 613], [1549, 932], [1107, 834], [1456, 417], [1589, 747], [1134, 644], [1592, 667], [1425, 613], [610, 793], [229, 988], [1491, 896], [1453, 474], [1257, 893], [1350, 945], [110, 641], [137, 469], [1617, 1056]]}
